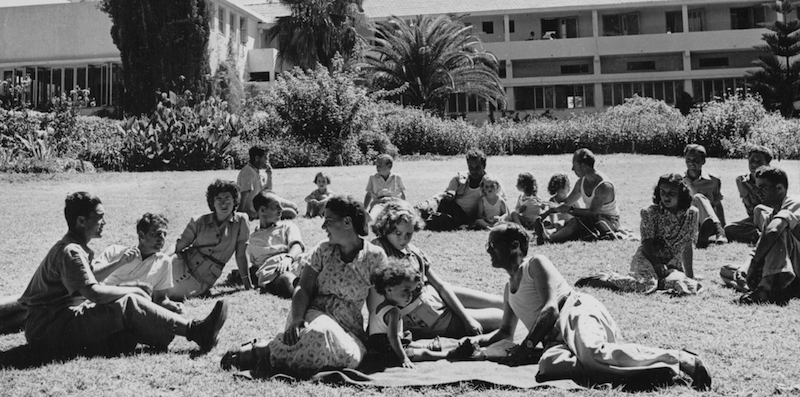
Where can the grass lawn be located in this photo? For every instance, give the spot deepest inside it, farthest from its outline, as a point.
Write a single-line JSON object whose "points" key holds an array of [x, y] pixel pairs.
{"points": [[750, 349]]}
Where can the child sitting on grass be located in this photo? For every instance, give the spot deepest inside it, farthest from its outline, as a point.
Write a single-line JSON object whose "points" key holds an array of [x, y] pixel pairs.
{"points": [[529, 205], [665, 257], [559, 189], [383, 186], [396, 283], [274, 248], [491, 207], [319, 197]]}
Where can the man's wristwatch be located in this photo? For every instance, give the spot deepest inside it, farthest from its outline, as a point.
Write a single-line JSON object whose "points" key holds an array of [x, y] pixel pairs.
{"points": [[529, 344]]}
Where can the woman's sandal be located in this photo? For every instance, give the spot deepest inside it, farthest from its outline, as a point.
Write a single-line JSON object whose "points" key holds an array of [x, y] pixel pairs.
{"points": [[464, 351], [243, 358], [701, 378]]}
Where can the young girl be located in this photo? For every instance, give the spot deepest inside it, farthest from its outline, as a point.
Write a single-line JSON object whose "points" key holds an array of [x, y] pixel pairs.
{"points": [[529, 206], [319, 197], [439, 308], [559, 189], [491, 207], [397, 284], [664, 259], [383, 186]]}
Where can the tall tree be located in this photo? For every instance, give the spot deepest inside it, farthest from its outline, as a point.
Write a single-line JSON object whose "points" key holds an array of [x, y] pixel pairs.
{"points": [[433, 57], [316, 30], [163, 46], [778, 81]]}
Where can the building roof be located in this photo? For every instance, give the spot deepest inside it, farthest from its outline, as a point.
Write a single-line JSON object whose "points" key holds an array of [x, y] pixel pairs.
{"points": [[382, 9], [23, 3]]}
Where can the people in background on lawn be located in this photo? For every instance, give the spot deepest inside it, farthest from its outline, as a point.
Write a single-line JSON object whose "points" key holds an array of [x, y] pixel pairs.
{"points": [[275, 248], [559, 189], [458, 204], [325, 328], [316, 200], [746, 230], [208, 243], [383, 186], [529, 205], [145, 262], [771, 272], [580, 338], [492, 208], [255, 177], [600, 217], [397, 284], [665, 257], [71, 313], [706, 196], [438, 308]]}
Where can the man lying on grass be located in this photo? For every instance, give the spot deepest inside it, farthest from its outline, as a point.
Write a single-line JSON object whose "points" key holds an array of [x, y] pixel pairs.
{"points": [[70, 313], [581, 339]]}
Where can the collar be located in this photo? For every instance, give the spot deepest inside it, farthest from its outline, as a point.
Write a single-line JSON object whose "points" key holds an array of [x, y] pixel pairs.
{"points": [[210, 218], [70, 238], [703, 175]]}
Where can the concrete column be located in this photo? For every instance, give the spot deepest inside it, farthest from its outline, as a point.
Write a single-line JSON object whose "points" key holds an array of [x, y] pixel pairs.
{"points": [[506, 28], [598, 95], [510, 99], [685, 17], [595, 24]]}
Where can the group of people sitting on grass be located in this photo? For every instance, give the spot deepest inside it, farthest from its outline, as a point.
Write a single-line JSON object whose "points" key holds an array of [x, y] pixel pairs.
{"points": [[79, 304]]}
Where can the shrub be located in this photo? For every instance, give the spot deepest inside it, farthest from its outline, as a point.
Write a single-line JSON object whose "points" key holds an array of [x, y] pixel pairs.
{"points": [[716, 124]]}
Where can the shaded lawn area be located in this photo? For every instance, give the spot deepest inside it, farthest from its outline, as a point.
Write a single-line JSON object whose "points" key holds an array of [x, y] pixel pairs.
{"points": [[750, 349]]}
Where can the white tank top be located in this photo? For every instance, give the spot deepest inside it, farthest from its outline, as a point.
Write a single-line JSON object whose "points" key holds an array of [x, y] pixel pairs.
{"points": [[527, 303], [469, 201], [607, 208], [491, 211], [377, 322]]}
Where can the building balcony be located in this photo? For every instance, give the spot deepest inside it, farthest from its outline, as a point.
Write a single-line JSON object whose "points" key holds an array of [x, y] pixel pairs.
{"points": [[720, 40], [261, 60]]}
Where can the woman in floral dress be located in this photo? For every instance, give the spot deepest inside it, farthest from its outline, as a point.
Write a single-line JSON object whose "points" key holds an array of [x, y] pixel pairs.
{"points": [[664, 259], [325, 329]]}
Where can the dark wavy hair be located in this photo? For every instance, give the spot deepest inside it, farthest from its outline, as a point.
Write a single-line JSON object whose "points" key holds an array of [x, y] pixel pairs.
{"points": [[322, 175], [220, 186], [264, 199], [775, 175], [393, 274], [684, 196], [585, 156], [528, 183], [149, 219], [515, 232], [476, 154], [79, 204], [557, 181], [349, 206]]}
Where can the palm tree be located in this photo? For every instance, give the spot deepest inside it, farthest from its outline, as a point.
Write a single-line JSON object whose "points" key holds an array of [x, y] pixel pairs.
{"points": [[778, 81], [316, 30], [433, 57]]}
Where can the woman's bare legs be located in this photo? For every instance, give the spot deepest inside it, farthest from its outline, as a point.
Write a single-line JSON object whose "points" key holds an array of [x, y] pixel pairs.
{"points": [[474, 299]]}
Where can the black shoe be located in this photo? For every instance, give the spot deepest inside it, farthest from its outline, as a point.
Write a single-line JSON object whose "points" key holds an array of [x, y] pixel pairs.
{"points": [[204, 332], [707, 229], [464, 351], [538, 228]]}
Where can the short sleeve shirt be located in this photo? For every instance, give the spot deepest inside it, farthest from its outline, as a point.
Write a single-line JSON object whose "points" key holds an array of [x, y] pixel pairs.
{"points": [[219, 242], [61, 275], [274, 240], [316, 195], [747, 191], [707, 185], [155, 270], [390, 187], [252, 180]]}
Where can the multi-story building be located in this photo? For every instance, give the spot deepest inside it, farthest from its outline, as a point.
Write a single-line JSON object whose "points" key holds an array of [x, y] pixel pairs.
{"points": [[558, 55]]}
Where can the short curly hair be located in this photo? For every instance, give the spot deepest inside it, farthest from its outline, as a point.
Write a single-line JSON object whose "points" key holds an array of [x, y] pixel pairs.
{"points": [[510, 232], [476, 154], [218, 187], [528, 183], [395, 212], [696, 149], [149, 220], [394, 273], [557, 181], [349, 206], [684, 196]]}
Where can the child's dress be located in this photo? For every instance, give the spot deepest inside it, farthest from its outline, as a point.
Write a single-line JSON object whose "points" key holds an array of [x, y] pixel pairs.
{"points": [[671, 233], [490, 211], [317, 209], [269, 246]]}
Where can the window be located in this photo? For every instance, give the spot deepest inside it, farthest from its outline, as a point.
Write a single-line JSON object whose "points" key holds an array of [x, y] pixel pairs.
{"points": [[616, 93], [501, 69], [462, 103], [747, 17], [709, 90], [221, 20], [696, 20], [641, 65], [621, 24], [511, 26], [488, 27], [674, 22], [719, 62], [259, 76], [243, 30], [554, 97], [232, 23], [575, 69], [562, 28]]}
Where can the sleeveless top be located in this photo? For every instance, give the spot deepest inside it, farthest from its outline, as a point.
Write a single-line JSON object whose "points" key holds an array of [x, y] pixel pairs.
{"points": [[609, 209], [527, 303], [377, 322], [491, 211]]}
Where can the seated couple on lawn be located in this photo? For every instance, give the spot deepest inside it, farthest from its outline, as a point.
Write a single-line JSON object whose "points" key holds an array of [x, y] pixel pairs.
{"points": [[325, 329]]}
